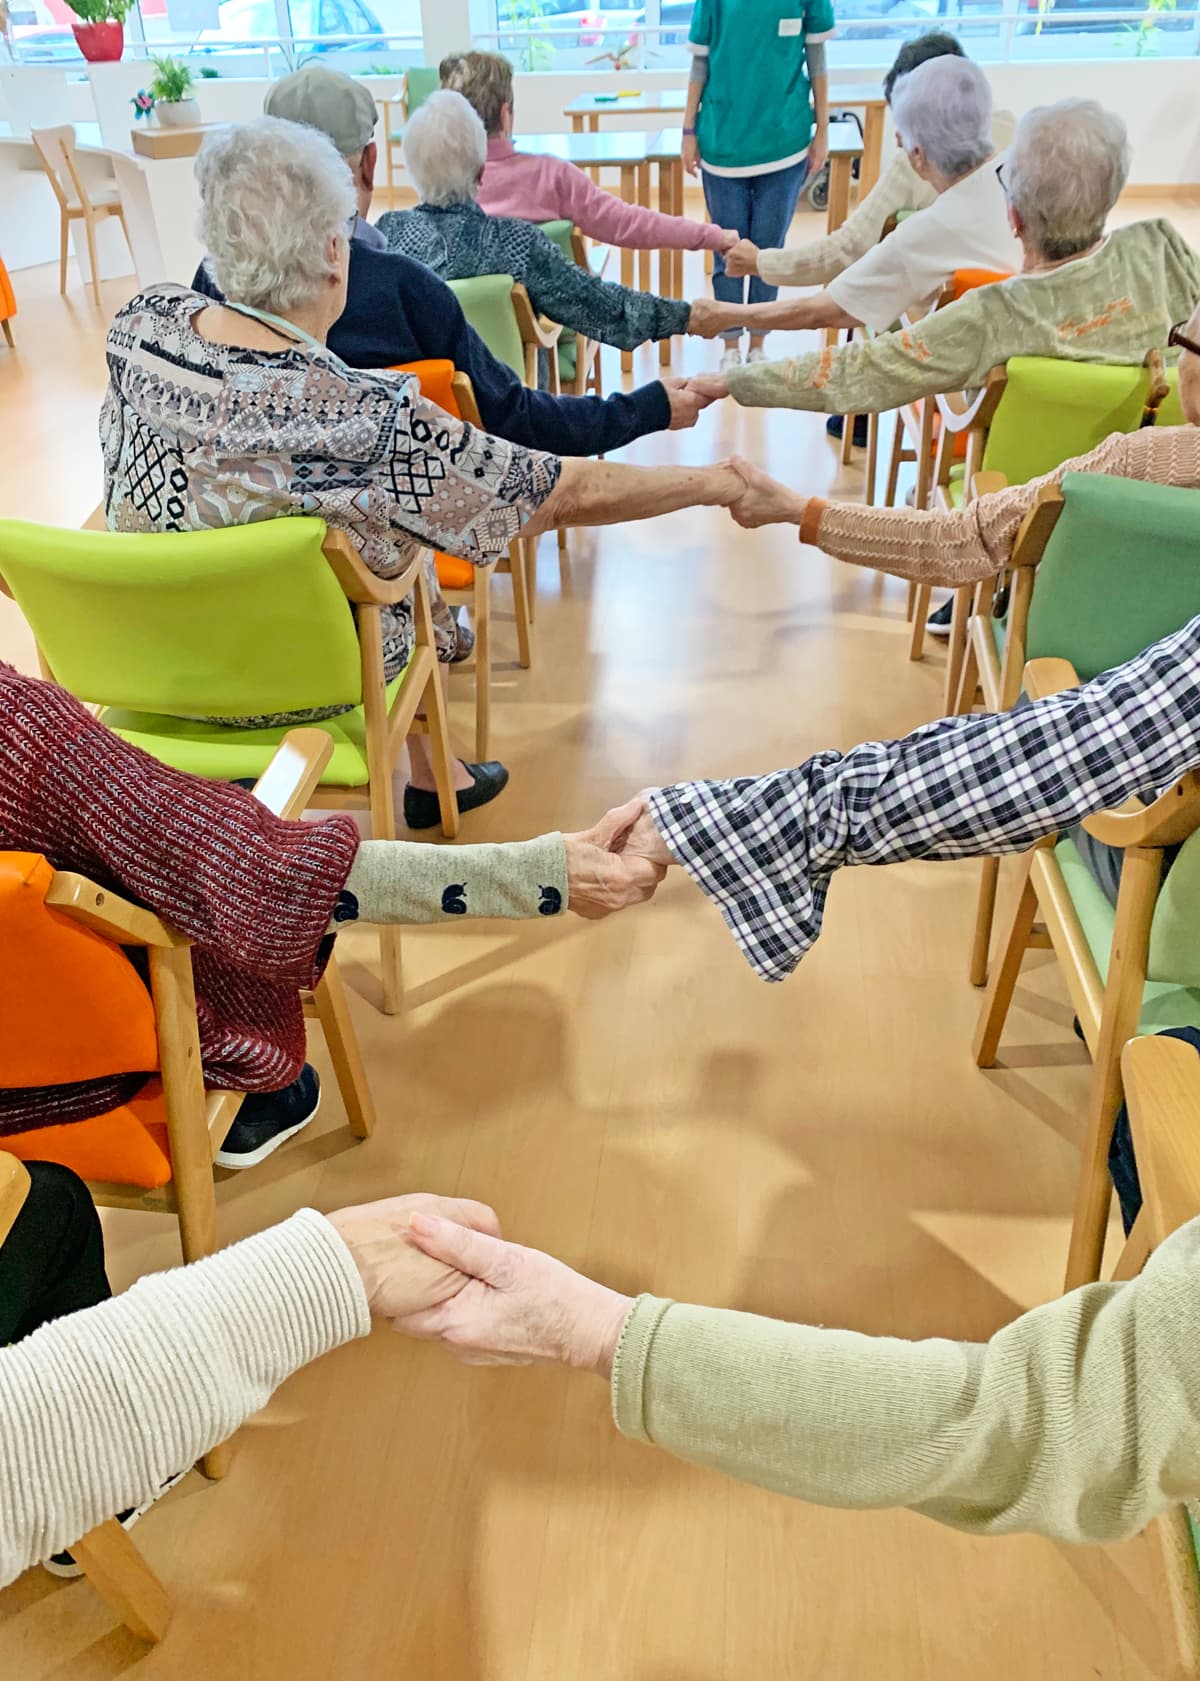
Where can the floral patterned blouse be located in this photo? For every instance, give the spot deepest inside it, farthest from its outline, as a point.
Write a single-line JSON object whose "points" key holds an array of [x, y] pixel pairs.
{"points": [[198, 435]]}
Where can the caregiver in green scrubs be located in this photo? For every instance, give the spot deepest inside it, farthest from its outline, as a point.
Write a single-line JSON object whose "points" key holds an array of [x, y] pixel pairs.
{"points": [[757, 125]]}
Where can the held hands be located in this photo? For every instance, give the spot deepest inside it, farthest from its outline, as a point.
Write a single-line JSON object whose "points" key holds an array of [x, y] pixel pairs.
{"points": [[741, 259], [690, 153], [708, 318], [400, 1280], [764, 501], [517, 1306], [687, 403], [618, 862]]}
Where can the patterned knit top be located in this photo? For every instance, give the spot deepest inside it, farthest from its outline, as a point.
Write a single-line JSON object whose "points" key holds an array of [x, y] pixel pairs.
{"points": [[460, 241], [197, 435]]}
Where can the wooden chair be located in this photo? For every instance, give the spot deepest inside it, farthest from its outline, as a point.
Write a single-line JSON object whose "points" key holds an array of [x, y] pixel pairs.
{"points": [[165, 630], [578, 356], [76, 202], [1162, 1091], [8, 306], [106, 1554]]}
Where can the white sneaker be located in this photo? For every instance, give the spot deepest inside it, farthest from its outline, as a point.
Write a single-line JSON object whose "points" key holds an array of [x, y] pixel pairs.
{"points": [[758, 354], [732, 358]]}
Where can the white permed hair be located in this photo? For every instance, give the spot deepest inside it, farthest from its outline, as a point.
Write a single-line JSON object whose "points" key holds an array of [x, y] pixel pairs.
{"points": [[445, 147], [1065, 171], [272, 194], [944, 106]]}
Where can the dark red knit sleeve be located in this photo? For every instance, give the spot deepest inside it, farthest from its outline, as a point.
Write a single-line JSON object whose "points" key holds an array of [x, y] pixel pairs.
{"points": [[206, 856]]}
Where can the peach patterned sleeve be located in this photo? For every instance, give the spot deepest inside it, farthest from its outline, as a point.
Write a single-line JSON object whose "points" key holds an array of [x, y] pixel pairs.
{"points": [[966, 544]]}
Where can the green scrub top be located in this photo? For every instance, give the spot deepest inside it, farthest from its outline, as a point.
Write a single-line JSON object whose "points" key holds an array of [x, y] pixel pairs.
{"points": [[756, 113]]}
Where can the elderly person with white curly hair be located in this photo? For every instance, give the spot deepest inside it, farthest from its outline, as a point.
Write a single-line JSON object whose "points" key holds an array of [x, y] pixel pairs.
{"points": [[943, 114], [220, 414], [445, 152], [1082, 295]]}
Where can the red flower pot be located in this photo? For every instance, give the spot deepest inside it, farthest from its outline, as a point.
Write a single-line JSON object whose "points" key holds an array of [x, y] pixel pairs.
{"points": [[100, 43]]}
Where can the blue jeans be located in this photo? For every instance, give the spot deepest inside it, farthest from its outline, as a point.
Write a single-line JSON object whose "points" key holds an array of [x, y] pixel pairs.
{"points": [[759, 207]]}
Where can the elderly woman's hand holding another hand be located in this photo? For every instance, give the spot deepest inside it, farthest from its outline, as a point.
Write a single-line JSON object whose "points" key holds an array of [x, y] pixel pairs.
{"points": [[765, 501], [399, 1280], [618, 862]]}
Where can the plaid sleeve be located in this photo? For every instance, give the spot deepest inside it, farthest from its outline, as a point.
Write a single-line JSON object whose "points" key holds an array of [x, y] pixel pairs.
{"points": [[765, 848]]}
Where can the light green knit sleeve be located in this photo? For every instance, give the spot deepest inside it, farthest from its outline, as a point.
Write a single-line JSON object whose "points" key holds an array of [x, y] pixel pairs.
{"points": [[1080, 1420], [952, 349]]}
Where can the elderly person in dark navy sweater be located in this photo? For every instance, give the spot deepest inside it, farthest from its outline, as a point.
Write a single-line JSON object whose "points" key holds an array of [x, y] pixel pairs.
{"points": [[397, 310]]}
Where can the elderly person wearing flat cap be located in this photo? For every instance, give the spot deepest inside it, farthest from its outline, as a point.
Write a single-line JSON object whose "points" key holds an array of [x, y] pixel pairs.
{"points": [[398, 311]]}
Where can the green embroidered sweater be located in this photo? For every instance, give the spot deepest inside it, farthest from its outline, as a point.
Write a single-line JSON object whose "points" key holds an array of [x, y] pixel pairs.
{"points": [[1113, 306]]}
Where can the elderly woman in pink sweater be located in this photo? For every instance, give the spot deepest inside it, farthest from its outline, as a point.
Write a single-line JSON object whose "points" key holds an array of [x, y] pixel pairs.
{"points": [[540, 188]]}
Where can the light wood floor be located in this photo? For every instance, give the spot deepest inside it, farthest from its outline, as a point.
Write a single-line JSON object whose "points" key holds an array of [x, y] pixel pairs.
{"points": [[632, 1099]]}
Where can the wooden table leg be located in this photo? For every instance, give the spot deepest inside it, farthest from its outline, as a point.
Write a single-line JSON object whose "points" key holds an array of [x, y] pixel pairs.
{"points": [[576, 123], [628, 196], [839, 193], [643, 199], [872, 158], [593, 122]]}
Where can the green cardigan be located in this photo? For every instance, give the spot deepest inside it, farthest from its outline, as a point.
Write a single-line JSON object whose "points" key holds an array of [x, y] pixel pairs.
{"points": [[1113, 306], [1080, 1420]]}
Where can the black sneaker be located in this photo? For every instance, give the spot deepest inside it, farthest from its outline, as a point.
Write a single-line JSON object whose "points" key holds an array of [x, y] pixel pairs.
{"points": [[64, 1564], [268, 1119], [836, 426], [938, 622]]}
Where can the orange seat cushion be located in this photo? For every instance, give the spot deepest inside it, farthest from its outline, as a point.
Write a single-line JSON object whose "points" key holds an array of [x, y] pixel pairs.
{"points": [[435, 377], [128, 1146], [8, 302]]}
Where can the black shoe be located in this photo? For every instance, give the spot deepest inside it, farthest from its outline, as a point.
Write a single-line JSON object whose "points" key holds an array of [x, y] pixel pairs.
{"points": [[421, 809], [464, 644], [64, 1564], [268, 1119], [836, 426], [938, 622]]}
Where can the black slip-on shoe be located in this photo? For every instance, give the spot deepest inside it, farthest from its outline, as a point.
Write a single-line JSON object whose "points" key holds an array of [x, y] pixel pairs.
{"points": [[421, 809]]}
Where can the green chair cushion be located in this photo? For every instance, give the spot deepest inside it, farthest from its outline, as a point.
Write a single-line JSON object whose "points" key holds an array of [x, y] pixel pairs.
{"points": [[1166, 1003], [420, 81], [217, 751], [487, 304], [1054, 410], [561, 231]]}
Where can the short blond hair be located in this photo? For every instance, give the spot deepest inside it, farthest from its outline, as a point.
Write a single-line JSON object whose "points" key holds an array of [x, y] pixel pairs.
{"points": [[485, 81]]}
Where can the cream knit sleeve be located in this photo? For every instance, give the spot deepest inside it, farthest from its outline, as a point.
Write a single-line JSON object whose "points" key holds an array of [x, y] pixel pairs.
{"points": [[818, 261], [965, 544], [100, 1408], [1080, 1420]]}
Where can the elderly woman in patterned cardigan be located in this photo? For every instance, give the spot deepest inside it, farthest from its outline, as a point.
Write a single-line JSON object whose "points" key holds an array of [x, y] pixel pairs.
{"points": [[221, 414]]}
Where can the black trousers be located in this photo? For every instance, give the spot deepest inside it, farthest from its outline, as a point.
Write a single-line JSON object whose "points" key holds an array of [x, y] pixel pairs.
{"points": [[52, 1261]]}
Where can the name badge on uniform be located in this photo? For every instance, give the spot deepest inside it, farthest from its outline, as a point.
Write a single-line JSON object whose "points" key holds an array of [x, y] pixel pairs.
{"points": [[791, 26]]}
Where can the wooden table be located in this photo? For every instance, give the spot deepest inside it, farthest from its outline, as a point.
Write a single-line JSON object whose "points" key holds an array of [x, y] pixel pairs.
{"points": [[845, 146], [589, 108]]}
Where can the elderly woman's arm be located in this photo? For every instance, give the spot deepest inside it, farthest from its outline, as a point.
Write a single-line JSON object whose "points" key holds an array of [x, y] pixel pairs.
{"points": [[1080, 1420], [609, 493], [818, 261], [600, 309]]}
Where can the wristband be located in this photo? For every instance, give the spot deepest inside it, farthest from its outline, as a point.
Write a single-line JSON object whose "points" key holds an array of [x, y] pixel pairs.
{"points": [[689, 131]]}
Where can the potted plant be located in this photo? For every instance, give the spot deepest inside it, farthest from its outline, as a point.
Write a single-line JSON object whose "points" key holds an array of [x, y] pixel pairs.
{"points": [[100, 31], [171, 91]]}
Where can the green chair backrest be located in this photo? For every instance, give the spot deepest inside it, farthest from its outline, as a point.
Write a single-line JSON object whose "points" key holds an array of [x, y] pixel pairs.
{"points": [[1052, 411], [560, 232], [487, 304], [240, 622], [1174, 953], [421, 81], [1121, 570]]}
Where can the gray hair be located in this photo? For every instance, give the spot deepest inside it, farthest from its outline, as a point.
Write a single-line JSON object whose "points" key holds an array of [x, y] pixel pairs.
{"points": [[944, 106], [272, 194], [1065, 171], [445, 147]]}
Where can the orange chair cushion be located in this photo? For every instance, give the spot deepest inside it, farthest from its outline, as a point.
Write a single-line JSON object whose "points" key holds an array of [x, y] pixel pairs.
{"points": [[72, 1006], [8, 302], [128, 1146], [435, 377]]}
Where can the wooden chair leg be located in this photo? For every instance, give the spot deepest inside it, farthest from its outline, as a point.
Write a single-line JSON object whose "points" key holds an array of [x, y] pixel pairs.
{"points": [[184, 1101], [911, 603], [1141, 873], [521, 593], [6, 328], [64, 245], [345, 1053], [916, 647], [483, 661], [894, 461], [968, 682], [443, 758], [562, 539], [848, 438], [985, 912], [124, 1581], [529, 551], [1004, 973], [872, 457], [380, 794], [90, 230], [960, 623]]}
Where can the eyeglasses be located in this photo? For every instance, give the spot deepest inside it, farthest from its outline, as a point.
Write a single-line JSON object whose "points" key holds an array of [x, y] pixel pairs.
{"points": [[1000, 168], [1179, 337]]}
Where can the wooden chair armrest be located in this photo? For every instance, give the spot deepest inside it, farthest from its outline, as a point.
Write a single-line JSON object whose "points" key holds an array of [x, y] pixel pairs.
{"points": [[534, 328], [286, 786], [1166, 821], [960, 412], [1049, 677], [107, 913], [1038, 524], [357, 579], [1162, 1088], [464, 393], [95, 520], [14, 1188], [988, 484]]}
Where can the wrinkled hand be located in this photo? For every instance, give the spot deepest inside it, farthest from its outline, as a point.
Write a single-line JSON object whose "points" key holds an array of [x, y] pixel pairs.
{"points": [[741, 259], [818, 152], [603, 873], [712, 386], [398, 1279], [707, 318], [519, 1305], [690, 153], [765, 501], [686, 403]]}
